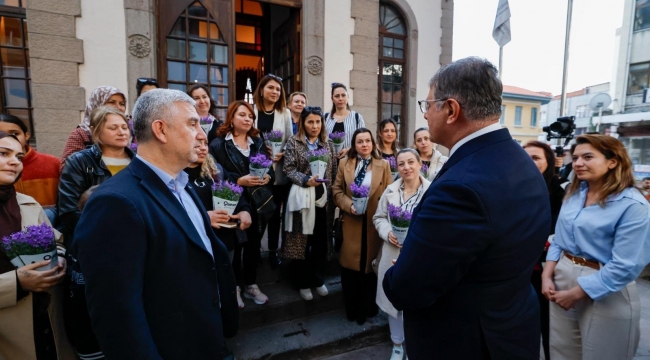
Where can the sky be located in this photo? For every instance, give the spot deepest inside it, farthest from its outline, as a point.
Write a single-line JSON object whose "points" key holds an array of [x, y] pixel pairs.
{"points": [[533, 59]]}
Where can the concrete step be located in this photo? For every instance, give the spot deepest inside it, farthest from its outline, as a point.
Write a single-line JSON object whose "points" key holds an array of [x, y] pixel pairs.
{"points": [[313, 337]]}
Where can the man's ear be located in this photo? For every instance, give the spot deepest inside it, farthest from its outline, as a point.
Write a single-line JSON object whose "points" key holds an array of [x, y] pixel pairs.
{"points": [[159, 129], [453, 110]]}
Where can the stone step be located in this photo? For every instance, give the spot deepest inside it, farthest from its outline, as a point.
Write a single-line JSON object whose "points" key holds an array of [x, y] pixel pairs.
{"points": [[311, 337], [285, 302]]}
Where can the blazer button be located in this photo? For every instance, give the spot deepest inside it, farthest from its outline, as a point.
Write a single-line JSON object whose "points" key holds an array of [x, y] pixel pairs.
{"points": [[215, 303]]}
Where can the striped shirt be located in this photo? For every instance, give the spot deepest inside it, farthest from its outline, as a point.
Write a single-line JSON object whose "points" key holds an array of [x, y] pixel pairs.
{"points": [[349, 124]]}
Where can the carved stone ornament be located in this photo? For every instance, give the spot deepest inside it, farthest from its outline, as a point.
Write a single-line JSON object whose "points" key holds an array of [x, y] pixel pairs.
{"points": [[139, 46], [412, 92], [315, 65]]}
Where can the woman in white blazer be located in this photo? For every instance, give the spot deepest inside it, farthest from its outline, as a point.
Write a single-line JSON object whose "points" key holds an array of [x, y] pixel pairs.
{"points": [[406, 192], [271, 113], [432, 158]]}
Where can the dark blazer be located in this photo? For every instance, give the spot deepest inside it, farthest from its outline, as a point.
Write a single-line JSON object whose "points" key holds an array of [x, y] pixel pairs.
{"points": [[153, 290], [463, 276]]}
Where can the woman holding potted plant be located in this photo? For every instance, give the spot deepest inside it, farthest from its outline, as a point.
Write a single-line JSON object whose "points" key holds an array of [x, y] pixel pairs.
{"points": [[296, 103], [402, 196], [271, 114], [237, 147], [341, 119], [431, 157], [363, 172], [206, 107], [307, 236], [203, 174], [31, 324], [387, 139]]}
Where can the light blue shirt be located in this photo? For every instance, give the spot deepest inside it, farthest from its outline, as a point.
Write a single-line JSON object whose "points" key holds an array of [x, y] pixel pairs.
{"points": [[177, 187], [615, 235], [311, 146]]}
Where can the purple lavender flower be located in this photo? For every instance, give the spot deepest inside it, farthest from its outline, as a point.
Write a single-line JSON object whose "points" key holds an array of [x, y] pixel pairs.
{"points": [[260, 161], [393, 163], [273, 136], [398, 217], [425, 170], [206, 120], [359, 191], [227, 190], [322, 154], [134, 146], [337, 137], [35, 239]]}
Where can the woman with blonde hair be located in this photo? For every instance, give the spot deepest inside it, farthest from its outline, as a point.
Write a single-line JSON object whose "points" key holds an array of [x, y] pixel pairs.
{"points": [[600, 247], [296, 103]]}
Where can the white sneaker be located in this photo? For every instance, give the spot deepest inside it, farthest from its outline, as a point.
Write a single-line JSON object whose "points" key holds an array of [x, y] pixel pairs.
{"points": [[240, 302], [322, 290], [398, 353], [306, 294], [254, 293]]}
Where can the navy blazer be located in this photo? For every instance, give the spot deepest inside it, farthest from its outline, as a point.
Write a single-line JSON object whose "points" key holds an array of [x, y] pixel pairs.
{"points": [[153, 289], [463, 275]]}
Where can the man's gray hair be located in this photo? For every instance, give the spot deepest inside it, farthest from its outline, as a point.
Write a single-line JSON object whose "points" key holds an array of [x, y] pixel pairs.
{"points": [[153, 105], [474, 83]]}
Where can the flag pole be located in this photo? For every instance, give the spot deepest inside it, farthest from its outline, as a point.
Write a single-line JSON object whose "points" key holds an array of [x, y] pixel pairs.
{"points": [[566, 58], [500, 62]]}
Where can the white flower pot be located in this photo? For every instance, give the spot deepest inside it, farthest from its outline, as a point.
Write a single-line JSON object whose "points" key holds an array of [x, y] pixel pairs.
{"points": [[223, 204], [338, 148], [23, 260], [257, 172], [394, 175], [400, 233], [276, 147], [206, 127], [318, 167], [360, 205]]}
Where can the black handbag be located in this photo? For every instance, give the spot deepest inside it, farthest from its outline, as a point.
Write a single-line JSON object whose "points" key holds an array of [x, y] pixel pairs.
{"points": [[338, 233], [263, 201]]}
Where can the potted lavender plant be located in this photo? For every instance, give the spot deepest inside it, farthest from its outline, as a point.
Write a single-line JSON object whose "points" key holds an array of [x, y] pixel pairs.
{"points": [[359, 198], [273, 139], [225, 196], [337, 138], [259, 165], [318, 161], [206, 123], [424, 170], [399, 221], [393, 167], [35, 243]]}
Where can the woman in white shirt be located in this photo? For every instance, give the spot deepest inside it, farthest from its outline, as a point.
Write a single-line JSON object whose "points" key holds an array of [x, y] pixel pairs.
{"points": [[341, 118]]}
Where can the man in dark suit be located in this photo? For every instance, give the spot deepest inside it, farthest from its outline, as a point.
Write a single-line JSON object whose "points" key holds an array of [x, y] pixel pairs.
{"points": [[463, 275], [159, 283]]}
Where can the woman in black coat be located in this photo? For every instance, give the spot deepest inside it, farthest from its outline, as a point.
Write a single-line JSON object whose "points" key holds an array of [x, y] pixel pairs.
{"points": [[544, 158], [237, 141]]}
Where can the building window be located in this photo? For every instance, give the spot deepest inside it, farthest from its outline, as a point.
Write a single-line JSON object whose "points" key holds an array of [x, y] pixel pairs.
{"points": [[502, 119], [518, 116], [582, 111], [198, 54], [533, 117], [392, 65], [642, 15], [15, 85], [639, 78]]}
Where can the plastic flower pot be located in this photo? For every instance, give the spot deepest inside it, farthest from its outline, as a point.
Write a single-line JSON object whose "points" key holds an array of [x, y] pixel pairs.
{"points": [[337, 148], [206, 127], [259, 172], [400, 233], [318, 167], [360, 205], [276, 147], [394, 175], [224, 204], [22, 260]]}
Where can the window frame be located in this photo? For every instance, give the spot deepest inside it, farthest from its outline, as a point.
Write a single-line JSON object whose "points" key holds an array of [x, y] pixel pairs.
{"points": [[533, 117], [502, 119], [646, 8], [518, 114], [628, 91]]}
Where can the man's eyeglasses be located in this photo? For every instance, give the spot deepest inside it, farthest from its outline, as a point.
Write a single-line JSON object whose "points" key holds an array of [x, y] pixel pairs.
{"points": [[425, 104]]}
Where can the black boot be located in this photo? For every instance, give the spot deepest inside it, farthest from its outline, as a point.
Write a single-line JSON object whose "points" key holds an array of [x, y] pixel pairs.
{"points": [[274, 259]]}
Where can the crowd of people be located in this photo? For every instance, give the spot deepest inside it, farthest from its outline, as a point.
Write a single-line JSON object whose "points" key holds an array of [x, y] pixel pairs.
{"points": [[499, 248]]}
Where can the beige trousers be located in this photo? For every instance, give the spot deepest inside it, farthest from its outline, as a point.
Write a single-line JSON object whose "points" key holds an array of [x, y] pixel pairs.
{"points": [[606, 329]]}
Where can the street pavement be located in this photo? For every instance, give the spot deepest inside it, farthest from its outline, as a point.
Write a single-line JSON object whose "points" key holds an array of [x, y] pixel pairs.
{"points": [[383, 351]]}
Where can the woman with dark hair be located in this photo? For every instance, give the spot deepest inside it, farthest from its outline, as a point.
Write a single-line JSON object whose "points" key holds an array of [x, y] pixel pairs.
{"points": [[236, 143], [544, 158], [40, 177], [363, 167], [206, 107], [387, 138], [31, 327], [307, 238], [143, 85], [202, 174], [431, 157], [271, 113], [341, 118], [81, 137], [600, 247]]}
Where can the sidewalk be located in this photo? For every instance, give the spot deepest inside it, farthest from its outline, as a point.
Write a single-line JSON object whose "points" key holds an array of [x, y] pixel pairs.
{"points": [[643, 353]]}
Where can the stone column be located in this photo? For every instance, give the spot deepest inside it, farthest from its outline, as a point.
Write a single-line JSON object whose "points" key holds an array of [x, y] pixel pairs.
{"points": [[55, 54], [447, 25], [140, 42], [365, 50], [313, 48]]}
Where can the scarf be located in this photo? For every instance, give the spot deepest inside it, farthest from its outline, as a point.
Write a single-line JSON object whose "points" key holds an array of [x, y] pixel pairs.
{"points": [[97, 98], [360, 171]]}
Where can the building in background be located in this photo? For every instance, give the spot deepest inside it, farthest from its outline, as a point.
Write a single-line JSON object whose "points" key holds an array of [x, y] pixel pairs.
{"points": [[521, 112], [384, 50], [577, 104]]}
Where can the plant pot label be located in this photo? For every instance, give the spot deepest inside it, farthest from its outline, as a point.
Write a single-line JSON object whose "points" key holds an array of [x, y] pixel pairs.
{"points": [[223, 204], [276, 147], [400, 233], [257, 172], [360, 205], [22, 260], [318, 167]]}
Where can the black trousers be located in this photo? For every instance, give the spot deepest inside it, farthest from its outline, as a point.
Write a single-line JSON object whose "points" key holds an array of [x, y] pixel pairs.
{"points": [[309, 272], [536, 280], [251, 250], [280, 195]]}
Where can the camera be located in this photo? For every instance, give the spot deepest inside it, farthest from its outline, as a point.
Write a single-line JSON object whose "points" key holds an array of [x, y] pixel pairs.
{"points": [[563, 128]]}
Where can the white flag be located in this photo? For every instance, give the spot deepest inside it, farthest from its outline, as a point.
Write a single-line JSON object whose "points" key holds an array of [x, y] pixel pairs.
{"points": [[501, 31]]}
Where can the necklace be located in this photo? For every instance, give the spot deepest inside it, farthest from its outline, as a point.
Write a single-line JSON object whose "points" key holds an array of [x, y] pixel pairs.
{"points": [[268, 113]]}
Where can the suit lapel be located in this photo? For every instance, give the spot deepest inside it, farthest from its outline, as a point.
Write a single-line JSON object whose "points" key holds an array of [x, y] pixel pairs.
{"points": [[204, 214]]}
